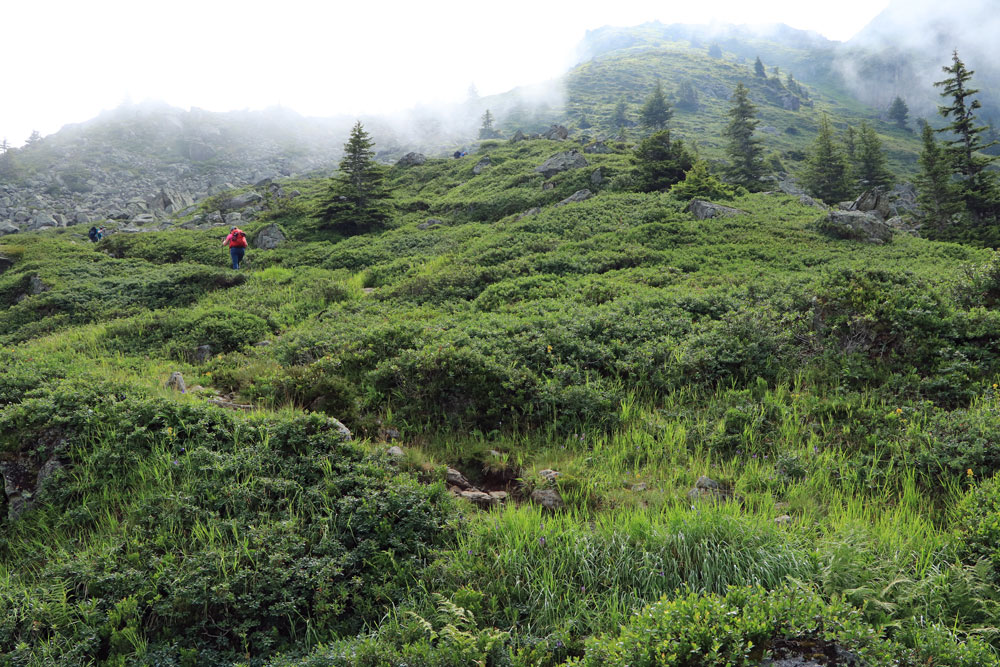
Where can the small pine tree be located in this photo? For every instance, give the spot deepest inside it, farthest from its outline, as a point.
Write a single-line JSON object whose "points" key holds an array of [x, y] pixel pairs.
{"points": [[977, 184], [871, 169], [656, 112], [356, 201], [758, 69], [715, 51], [700, 183], [826, 174], [661, 162], [486, 131], [687, 96], [898, 111], [938, 197], [745, 152], [35, 137]]}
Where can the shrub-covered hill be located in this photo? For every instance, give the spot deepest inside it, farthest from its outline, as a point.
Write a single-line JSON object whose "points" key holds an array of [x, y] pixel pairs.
{"points": [[758, 439]]}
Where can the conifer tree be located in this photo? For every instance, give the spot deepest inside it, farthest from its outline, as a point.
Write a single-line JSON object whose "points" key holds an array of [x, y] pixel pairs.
{"points": [[661, 162], [700, 183], [745, 152], [356, 201], [898, 111], [486, 131], [870, 168], [656, 112], [35, 137], [758, 69], [978, 186], [936, 193], [687, 96], [826, 174]]}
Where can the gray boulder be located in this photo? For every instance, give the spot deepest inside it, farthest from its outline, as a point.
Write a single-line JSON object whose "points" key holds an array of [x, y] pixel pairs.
{"points": [[429, 223], [556, 133], [703, 210], [143, 219], [478, 498], [199, 151], [809, 201], [561, 162], [518, 136], [203, 353], [481, 165], [548, 498], [412, 160], [874, 201], [598, 147], [456, 478], [176, 382], [8, 228], [856, 226], [597, 177], [241, 201], [790, 102], [36, 286], [269, 238], [578, 196], [41, 220], [5, 263]]}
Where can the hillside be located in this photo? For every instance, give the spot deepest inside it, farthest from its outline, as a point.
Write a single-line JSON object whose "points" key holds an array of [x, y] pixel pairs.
{"points": [[762, 438]]}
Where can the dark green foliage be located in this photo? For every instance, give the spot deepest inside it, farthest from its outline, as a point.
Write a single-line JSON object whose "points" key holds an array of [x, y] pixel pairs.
{"points": [[978, 521], [699, 183], [758, 69], [356, 201], [661, 162], [938, 197], [656, 112], [619, 118], [898, 112], [746, 166], [827, 170], [687, 96], [871, 169], [486, 130], [978, 186]]}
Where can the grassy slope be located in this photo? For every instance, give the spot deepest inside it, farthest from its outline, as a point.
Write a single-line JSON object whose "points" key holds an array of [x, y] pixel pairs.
{"points": [[617, 340]]}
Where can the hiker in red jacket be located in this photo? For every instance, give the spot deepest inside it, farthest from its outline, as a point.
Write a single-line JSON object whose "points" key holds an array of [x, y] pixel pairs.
{"points": [[237, 242]]}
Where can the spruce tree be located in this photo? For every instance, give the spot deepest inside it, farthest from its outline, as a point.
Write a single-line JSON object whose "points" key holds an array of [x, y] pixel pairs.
{"points": [[758, 69], [826, 174], [661, 162], [656, 112], [356, 201], [978, 186], [898, 111], [486, 131], [745, 152], [870, 168], [936, 193], [687, 96]]}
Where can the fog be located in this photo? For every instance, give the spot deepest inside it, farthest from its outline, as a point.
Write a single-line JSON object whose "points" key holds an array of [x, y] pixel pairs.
{"points": [[904, 49], [65, 61]]}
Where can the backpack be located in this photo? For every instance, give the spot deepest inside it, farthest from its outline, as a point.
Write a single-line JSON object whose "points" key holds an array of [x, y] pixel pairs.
{"points": [[92, 233], [239, 239]]}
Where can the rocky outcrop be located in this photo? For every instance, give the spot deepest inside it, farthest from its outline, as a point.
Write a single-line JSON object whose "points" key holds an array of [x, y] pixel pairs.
{"points": [[429, 223], [412, 160], [561, 162], [874, 201], [176, 382], [703, 210], [856, 226], [556, 133], [269, 237], [578, 196]]}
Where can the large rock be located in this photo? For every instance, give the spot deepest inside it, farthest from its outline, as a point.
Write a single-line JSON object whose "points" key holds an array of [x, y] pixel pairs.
{"points": [[578, 196], [41, 220], [556, 133], [874, 201], [169, 200], [856, 226], [5, 263], [199, 151], [703, 210], [241, 201], [176, 382], [518, 136], [269, 238], [561, 162], [456, 478], [412, 160], [548, 498], [8, 228]]}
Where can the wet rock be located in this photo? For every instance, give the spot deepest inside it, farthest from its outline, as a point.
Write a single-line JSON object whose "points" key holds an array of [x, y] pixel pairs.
{"points": [[548, 498]]}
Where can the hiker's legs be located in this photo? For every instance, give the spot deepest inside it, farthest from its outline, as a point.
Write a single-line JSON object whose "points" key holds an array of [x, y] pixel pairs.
{"points": [[237, 256]]}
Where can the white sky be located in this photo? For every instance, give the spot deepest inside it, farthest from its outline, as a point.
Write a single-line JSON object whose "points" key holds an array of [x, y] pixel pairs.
{"points": [[66, 60]]}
